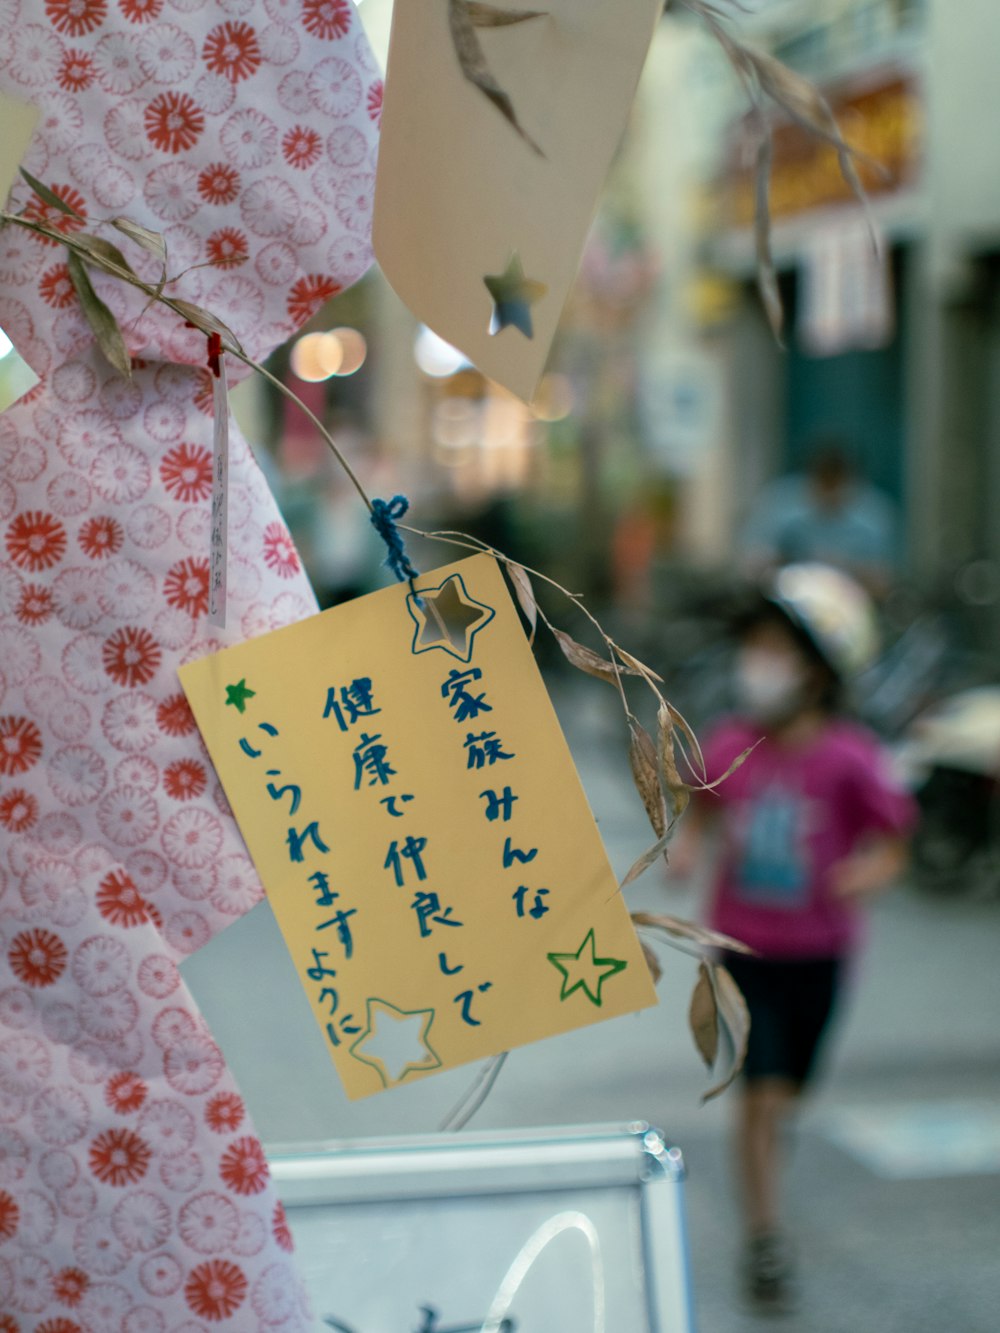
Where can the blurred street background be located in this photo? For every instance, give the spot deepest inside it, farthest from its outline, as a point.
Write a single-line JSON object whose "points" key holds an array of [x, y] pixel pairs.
{"points": [[676, 450]]}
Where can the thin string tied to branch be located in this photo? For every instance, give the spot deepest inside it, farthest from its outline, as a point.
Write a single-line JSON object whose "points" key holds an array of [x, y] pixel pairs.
{"points": [[384, 517]]}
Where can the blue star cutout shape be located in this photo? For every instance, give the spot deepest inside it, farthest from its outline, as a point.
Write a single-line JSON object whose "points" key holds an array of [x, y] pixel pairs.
{"points": [[513, 296], [584, 971], [395, 1042], [238, 694], [447, 617]]}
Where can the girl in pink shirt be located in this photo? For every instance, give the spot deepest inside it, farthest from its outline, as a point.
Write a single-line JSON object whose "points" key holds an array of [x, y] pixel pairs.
{"points": [[811, 825]]}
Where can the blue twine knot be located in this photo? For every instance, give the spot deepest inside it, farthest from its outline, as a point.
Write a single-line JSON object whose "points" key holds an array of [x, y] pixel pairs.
{"points": [[384, 516]]}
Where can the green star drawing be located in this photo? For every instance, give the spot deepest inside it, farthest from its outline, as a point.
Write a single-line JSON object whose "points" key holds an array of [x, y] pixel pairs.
{"points": [[447, 617], [237, 695], [513, 296], [396, 1042], [587, 973]]}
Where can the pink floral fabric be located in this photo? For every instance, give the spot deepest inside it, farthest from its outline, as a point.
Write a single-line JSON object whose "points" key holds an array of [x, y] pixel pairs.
{"points": [[134, 1195]]}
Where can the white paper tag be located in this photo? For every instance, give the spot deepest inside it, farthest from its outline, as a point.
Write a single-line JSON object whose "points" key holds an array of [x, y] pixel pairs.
{"points": [[218, 560]]}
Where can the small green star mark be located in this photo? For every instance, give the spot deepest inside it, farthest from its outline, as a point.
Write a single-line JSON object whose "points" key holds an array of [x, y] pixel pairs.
{"points": [[238, 694], [513, 296], [587, 973]]}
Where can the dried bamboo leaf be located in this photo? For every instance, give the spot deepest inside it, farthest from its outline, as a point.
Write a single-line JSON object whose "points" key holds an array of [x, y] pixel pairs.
{"points": [[703, 1017], [735, 1019], [99, 317], [49, 196], [738, 762], [472, 63], [525, 594], [646, 776], [488, 16], [149, 240], [652, 962], [651, 854], [640, 667], [206, 321], [585, 659], [687, 731], [688, 930], [103, 255], [677, 789]]}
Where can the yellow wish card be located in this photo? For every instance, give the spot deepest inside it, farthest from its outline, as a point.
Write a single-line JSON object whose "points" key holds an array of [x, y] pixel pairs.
{"points": [[411, 805], [478, 227]]}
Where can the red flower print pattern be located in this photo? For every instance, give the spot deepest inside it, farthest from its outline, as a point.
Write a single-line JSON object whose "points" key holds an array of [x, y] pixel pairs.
{"points": [[141, 11], [18, 810], [100, 537], [76, 71], [280, 1229], [36, 540], [216, 1289], [37, 957], [70, 1285], [174, 716], [374, 101], [34, 605], [174, 122], [118, 1157], [227, 247], [244, 1167], [219, 184], [279, 551], [186, 472], [327, 19], [186, 586], [9, 1214], [39, 211], [20, 745], [308, 294], [119, 901], [301, 148], [76, 17], [232, 50], [125, 1092], [131, 656], [224, 1112], [184, 779], [55, 287], [131, 1179]]}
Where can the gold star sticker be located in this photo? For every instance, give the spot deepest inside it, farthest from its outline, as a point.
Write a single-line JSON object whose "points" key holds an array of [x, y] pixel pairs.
{"points": [[238, 694], [584, 971], [513, 296], [447, 617], [395, 1042]]}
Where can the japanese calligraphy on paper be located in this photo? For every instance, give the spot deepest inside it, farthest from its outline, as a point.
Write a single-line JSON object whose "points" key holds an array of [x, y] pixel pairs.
{"points": [[402, 783]]}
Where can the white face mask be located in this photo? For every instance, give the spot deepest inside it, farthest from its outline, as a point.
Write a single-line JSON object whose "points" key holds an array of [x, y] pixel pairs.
{"points": [[769, 686]]}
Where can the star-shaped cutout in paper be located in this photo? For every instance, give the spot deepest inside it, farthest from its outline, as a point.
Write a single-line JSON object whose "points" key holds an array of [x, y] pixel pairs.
{"points": [[584, 971], [395, 1042], [447, 617], [238, 694], [513, 296]]}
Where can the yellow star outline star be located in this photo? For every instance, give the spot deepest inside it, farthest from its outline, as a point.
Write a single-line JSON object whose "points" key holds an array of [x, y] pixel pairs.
{"points": [[513, 296], [447, 617], [587, 974], [238, 694], [417, 1021]]}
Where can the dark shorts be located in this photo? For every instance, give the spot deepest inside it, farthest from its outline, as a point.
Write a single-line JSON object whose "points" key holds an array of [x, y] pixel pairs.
{"points": [[790, 1003]]}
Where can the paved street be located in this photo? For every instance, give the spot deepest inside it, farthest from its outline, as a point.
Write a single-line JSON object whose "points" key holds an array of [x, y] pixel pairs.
{"points": [[895, 1183]]}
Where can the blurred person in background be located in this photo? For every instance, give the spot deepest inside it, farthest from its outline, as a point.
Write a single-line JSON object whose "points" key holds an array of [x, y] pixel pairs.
{"points": [[812, 824], [829, 514]]}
